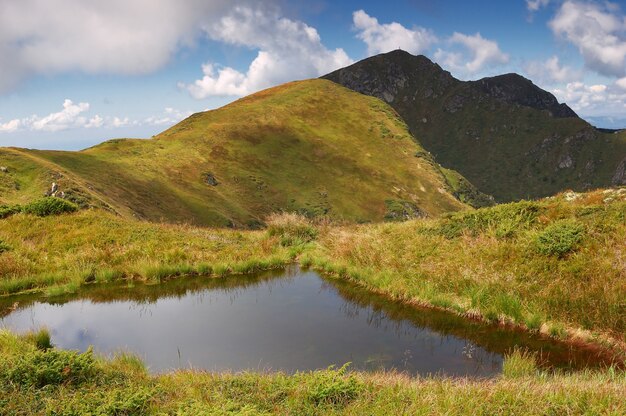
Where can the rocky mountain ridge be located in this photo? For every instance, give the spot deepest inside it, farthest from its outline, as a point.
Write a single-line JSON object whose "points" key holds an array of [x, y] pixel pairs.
{"points": [[507, 136]]}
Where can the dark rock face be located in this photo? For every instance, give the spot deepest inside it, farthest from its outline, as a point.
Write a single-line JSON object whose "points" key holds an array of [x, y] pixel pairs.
{"points": [[388, 76], [619, 179], [508, 137], [515, 89], [209, 179], [399, 210]]}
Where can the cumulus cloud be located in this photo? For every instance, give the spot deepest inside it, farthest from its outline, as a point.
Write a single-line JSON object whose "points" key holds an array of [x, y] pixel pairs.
{"points": [[70, 116], [115, 36], [168, 117], [621, 83], [598, 31], [477, 53], [10, 126], [551, 71], [535, 5], [73, 115], [593, 100], [381, 38], [288, 50]]}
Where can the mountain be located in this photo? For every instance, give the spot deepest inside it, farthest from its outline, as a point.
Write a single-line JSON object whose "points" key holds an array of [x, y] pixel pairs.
{"points": [[309, 146], [507, 136]]}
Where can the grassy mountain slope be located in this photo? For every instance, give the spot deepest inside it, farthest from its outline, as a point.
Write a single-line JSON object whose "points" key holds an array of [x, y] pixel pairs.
{"points": [[508, 137], [310, 146]]}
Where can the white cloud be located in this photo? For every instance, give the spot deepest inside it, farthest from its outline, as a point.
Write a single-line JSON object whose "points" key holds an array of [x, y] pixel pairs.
{"points": [[62, 120], [73, 116], [597, 31], [170, 116], [120, 122], [551, 71], [10, 126], [113, 36], [477, 54], [95, 122], [288, 50], [381, 38], [593, 100], [621, 83], [535, 5]]}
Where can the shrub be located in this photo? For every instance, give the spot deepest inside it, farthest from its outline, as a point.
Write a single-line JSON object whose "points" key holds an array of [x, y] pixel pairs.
{"points": [[293, 229], [49, 206], [559, 238], [40, 368], [8, 210], [505, 220]]}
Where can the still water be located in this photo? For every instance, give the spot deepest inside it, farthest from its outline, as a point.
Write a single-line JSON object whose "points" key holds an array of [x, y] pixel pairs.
{"points": [[290, 320]]}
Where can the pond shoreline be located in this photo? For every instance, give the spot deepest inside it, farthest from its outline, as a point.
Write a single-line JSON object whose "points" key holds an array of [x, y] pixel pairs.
{"points": [[605, 355]]}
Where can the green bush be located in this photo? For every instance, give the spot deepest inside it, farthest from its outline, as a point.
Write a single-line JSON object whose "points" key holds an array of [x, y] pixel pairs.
{"points": [[559, 238], [504, 220], [8, 210], [51, 367], [49, 206]]}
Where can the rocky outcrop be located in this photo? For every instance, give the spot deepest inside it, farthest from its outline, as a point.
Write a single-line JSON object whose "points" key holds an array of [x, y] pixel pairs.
{"points": [[515, 89], [209, 179], [390, 75], [619, 178], [508, 137]]}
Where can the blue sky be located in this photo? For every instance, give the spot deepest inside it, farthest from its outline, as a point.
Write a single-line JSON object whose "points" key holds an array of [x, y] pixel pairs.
{"points": [[76, 72]]}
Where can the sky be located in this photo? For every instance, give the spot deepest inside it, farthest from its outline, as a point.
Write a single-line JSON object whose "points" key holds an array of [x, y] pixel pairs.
{"points": [[74, 73]]}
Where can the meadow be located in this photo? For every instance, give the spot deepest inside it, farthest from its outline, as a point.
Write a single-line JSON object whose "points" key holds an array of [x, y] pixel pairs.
{"points": [[556, 265]]}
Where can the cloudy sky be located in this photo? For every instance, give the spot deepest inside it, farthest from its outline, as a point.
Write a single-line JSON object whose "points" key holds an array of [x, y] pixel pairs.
{"points": [[74, 73]]}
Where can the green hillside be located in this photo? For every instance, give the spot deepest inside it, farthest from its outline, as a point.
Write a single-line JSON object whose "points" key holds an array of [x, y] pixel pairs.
{"points": [[508, 137], [310, 146]]}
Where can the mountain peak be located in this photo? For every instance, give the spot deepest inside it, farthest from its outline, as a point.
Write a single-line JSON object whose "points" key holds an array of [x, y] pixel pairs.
{"points": [[514, 88], [386, 75], [506, 135]]}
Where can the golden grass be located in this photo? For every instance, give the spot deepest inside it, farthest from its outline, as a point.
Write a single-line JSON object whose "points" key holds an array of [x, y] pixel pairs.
{"points": [[121, 385]]}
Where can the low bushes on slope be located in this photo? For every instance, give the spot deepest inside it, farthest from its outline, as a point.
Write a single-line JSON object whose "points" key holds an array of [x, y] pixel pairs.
{"points": [[42, 207]]}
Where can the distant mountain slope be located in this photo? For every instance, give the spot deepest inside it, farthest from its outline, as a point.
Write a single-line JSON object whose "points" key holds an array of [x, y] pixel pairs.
{"points": [[507, 136], [310, 146]]}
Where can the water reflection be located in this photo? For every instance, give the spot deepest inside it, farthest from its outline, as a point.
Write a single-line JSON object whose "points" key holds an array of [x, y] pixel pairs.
{"points": [[289, 320]]}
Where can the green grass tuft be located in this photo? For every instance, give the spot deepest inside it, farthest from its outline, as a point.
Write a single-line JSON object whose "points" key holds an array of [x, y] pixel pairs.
{"points": [[519, 363], [40, 339], [292, 229]]}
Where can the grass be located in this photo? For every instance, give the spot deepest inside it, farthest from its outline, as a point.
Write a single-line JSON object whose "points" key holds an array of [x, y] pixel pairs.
{"points": [[34, 381], [519, 364], [311, 147], [554, 266], [483, 263], [58, 254]]}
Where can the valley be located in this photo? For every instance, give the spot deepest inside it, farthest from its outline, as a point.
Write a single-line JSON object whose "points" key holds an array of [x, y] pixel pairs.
{"points": [[384, 240]]}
